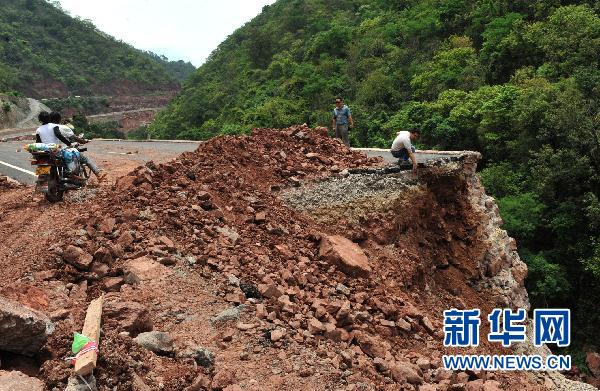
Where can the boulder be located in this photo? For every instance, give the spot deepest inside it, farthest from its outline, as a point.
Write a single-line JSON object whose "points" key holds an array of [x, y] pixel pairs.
{"points": [[345, 254], [127, 316], [222, 379], [475, 385], [22, 330], [125, 182], [491, 385], [229, 314], [103, 255], [202, 382], [137, 384], [155, 341], [77, 257], [17, 381], [201, 355], [112, 284], [404, 371], [372, 346], [107, 225], [277, 334], [143, 269], [593, 363], [125, 239], [271, 291], [403, 325]]}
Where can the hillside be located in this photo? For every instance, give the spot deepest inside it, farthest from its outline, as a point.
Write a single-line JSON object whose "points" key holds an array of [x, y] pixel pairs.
{"points": [[46, 53], [518, 81], [19, 113]]}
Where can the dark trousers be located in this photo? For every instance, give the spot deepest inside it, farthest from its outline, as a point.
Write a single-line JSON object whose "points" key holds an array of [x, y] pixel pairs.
{"points": [[402, 154], [88, 162], [341, 132]]}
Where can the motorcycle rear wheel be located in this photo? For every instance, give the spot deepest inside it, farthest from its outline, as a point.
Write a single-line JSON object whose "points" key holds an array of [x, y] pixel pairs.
{"points": [[54, 194]]}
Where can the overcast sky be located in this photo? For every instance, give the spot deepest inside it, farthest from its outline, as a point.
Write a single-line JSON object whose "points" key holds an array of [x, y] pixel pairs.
{"points": [[179, 29]]}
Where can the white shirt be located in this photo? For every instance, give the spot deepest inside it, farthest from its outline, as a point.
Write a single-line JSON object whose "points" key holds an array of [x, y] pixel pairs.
{"points": [[47, 135], [402, 141]]}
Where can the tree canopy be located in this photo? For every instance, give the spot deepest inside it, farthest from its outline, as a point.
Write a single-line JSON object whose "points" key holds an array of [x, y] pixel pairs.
{"points": [[41, 44], [517, 80]]}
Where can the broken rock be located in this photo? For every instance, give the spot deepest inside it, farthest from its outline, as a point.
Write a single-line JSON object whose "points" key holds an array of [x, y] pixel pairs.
{"points": [[77, 257], [229, 314], [593, 363], [144, 269], [201, 355], [406, 372], [127, 315], [345, 254], [155, 341], [372, 346], [22, 330], [17, 381], [75, 383]]}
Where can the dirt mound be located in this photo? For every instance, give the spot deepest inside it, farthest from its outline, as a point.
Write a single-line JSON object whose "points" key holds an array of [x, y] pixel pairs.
{"points": [[204, 249]]}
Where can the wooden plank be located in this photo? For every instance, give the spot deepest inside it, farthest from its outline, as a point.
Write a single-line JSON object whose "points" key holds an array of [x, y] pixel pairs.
{"points": [[86, 363]]}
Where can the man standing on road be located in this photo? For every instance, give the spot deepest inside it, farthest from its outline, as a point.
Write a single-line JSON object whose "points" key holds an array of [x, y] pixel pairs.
{"points": [[342, 118], [403, 149]]}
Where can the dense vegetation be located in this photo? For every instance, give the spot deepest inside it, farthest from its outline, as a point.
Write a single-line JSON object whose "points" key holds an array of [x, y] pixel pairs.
{"points": [[108, 129], [40, 42], [83, 104], [517, 80]]}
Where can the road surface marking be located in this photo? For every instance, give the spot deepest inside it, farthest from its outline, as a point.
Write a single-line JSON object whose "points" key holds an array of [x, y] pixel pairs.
{"points": [[121, 153], [18, 168]]}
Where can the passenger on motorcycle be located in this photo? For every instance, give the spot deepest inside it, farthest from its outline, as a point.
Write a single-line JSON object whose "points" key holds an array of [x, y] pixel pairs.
{"points": [[52, 132]]}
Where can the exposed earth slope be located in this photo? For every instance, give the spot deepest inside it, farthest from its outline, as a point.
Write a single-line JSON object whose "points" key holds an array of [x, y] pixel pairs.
{"points": [[266, 270]]}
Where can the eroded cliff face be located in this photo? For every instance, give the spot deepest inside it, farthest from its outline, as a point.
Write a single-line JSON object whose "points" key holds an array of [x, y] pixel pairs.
{"points": [[435, 242], [501, 272], [441, 227]]}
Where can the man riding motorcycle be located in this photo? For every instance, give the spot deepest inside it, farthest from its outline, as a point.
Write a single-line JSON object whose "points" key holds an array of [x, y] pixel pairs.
{"points": [[52, 132]]}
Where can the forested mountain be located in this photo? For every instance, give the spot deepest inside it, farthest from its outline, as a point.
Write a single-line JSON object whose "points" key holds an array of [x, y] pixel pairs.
{"points": [[44, 53], [517, 80]]}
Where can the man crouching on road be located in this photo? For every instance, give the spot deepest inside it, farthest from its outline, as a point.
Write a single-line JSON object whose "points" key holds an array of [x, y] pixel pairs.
{"points": [[403, 149]]}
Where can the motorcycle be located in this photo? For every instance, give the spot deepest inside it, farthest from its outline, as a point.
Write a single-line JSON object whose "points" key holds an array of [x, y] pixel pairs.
{"points": [[58, 169]]}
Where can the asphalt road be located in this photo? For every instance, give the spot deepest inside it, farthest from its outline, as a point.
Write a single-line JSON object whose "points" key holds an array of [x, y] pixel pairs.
{"points": [[15, 162], [422, 156]]}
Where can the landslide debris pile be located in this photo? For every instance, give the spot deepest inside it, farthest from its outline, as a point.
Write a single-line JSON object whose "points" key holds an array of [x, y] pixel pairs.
{"points": [[212, 282]]}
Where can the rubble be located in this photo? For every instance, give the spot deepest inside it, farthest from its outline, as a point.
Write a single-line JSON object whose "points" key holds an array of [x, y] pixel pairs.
{"points": [[17, 381], [78, 257], [155, 341], [128, 316], [22, 330], [347, 256], [593, 363], [338, 287]]}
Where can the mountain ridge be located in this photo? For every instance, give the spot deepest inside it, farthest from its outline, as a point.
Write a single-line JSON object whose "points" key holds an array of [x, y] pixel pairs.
{"points": [[45, 53]]}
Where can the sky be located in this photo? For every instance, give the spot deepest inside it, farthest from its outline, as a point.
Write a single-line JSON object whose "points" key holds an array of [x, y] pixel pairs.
{"points": [[186, 30]]}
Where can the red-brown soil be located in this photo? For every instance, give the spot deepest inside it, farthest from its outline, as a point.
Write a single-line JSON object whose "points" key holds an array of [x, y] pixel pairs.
{"points": [[216, 213]]}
